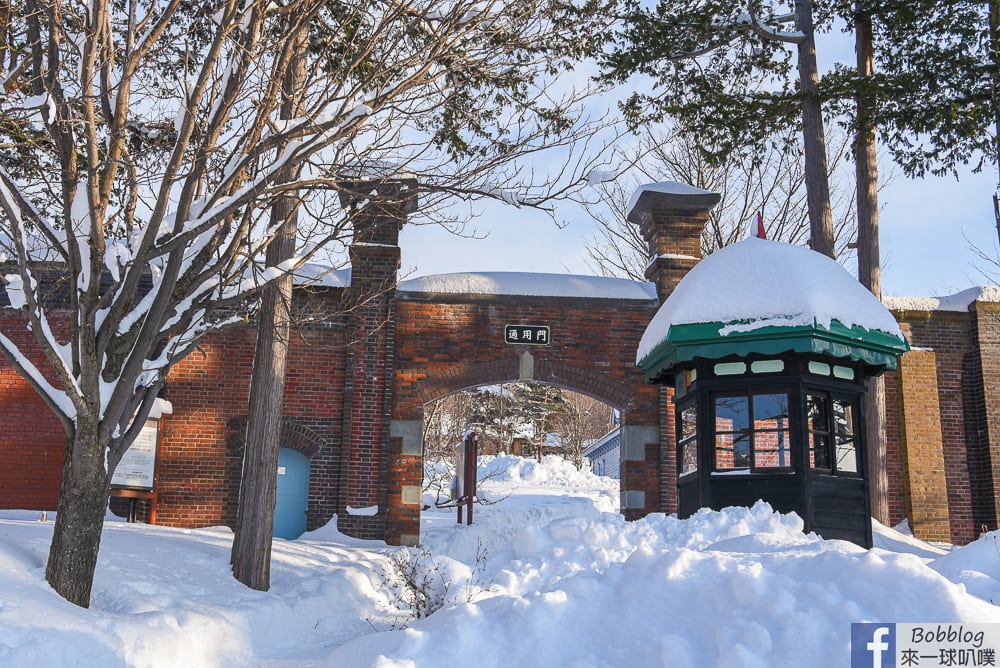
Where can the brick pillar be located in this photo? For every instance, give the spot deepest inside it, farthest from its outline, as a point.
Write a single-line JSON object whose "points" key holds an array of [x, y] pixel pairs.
{"points": [[984, 441], [924, 482], [378, 210], [671, 217], [406, 477]]}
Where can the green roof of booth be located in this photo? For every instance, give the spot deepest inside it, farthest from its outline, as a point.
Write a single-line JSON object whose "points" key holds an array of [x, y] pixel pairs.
{"points": [[767, 297]]}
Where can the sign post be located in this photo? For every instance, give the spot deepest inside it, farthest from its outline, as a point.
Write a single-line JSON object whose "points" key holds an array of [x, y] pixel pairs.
{"points": [[465, 472]]}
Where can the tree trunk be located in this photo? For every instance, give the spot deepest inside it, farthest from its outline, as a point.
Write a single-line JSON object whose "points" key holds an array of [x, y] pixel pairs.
{"points": [[251, 554], [869, 270], [813, 137], [255, 520], [83, 498], [995, 98]]}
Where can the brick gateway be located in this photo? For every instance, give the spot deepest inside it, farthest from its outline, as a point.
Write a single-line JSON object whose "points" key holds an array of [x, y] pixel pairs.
{"points": [[368, 355]]}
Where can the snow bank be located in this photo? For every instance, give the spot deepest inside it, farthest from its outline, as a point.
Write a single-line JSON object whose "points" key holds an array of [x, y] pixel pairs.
{"points": [[742, 587], [548, 575], [976, 566], [552, 471]]}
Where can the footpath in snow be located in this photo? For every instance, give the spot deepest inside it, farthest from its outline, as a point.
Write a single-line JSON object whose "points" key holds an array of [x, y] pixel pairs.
{"points": [[548, 575]]}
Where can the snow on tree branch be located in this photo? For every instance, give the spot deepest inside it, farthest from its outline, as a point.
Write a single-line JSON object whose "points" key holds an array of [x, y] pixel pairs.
{"points": [[150, 149]]}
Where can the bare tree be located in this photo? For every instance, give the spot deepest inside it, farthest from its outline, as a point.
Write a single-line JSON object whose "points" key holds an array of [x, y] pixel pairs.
{"points": [[582, 420], [446, 422], [488, 409], [772, 183], [143, 151], [502, 412]]}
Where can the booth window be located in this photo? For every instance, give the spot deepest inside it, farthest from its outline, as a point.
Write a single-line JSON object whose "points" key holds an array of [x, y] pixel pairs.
{"points": [[832, 433], [752, 431], [687, 439]]}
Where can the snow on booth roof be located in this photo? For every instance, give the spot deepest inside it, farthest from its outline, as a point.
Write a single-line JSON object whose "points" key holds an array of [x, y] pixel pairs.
{"points": [[759, 284], [530, 285]]}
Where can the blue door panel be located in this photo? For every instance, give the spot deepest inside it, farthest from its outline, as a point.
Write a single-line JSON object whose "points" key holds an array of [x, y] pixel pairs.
{"points": [[292, 494]]}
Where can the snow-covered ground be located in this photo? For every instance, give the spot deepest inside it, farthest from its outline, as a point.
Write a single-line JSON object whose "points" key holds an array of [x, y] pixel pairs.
{"points": [[548, 575]]}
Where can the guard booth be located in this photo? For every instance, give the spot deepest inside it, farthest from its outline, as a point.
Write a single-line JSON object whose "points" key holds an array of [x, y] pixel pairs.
{"points": [[768, 347]]}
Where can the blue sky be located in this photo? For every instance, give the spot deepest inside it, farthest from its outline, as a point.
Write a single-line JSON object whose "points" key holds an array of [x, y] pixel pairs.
{"points": [[927, 228]]}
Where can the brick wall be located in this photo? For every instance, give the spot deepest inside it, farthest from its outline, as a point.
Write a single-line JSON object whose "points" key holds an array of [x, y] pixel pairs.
{"points": [[352, 381], [370, 469], [924, 482], [201, 443], [895, 451], [962, 403], [358, 381], [984, 450], [445, 344], [32, 439]]}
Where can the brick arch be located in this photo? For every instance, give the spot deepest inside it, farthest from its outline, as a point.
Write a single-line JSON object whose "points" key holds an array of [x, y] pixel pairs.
{"points": [[318, 440], [443, 343], [300, 437], [295, 435], [568, 376]]}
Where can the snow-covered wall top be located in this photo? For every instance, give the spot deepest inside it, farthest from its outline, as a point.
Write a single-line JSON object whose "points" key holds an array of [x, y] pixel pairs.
{"points": [[960, 301], [530, 285], [760, 283], [319, 275], [667, 188]]}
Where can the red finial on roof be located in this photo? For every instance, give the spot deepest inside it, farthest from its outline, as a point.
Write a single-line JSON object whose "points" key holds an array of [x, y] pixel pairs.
{"points": [[760, 226]]}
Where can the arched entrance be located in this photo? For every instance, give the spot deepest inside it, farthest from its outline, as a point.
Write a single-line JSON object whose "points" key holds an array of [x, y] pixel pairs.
{"points": [[292, 494], [526, 420], [418, 340], [456, 341]]}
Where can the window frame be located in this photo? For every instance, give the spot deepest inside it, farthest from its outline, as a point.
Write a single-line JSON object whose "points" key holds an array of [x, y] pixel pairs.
{"points": [[752, 431], [690, 441], [854, 403]]}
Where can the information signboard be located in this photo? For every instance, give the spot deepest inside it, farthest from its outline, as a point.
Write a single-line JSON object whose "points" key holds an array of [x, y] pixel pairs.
{"points": [[137, 469]]}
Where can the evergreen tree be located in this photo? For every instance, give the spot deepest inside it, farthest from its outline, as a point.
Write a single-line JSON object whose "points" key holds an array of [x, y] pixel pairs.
{"points": [[534, 411], [493, 417], [735, 75], [936, 82]]}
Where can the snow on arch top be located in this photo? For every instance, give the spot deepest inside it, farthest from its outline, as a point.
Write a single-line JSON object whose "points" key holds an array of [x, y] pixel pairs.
{"points": [[767, 296], [530, 284]]}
